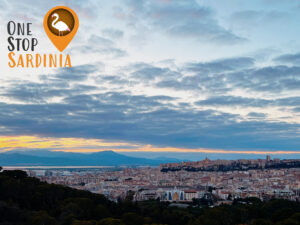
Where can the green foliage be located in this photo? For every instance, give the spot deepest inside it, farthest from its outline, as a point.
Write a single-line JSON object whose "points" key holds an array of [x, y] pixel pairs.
{"points": [[28, 201]]}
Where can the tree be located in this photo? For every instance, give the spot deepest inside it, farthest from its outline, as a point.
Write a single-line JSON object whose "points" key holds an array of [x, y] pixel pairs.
{"points": [[110, 221], [83, 222], [17, 174], [262, 222], [229, 197], [42, 218], [101, 212], [132, 219], [288, 222]]}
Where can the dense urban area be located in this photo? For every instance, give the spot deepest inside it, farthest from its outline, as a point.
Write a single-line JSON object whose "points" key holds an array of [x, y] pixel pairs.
{"points": [[263, 178], [28, 201]]}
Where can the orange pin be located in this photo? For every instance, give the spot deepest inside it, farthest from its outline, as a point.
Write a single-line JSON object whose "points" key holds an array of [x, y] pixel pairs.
{"points": [[61, 24]]}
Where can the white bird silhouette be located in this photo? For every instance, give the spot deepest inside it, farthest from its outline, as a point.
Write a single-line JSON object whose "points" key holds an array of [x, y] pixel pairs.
{"points": [[60, 25]]}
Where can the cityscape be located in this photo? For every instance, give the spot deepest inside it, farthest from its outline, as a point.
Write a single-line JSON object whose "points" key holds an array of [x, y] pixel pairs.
{"points": [[150, 112], [182, 186]]}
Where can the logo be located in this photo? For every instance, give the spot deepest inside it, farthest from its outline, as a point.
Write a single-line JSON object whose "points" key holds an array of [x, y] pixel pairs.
{"points": [[61, 24]]}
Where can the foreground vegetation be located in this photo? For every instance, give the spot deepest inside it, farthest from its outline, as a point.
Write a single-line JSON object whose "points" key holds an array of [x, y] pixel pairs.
{"points": [[26, 200]]}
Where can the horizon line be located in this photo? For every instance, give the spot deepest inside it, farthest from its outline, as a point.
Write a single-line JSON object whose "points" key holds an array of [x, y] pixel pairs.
{"points": [[85, 145]]}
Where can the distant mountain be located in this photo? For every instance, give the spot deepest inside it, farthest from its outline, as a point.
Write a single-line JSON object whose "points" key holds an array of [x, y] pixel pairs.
{"points": [[48, 158]]}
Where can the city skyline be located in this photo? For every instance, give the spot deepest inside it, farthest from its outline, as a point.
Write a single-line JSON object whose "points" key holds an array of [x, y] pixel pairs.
{"points": [[159, 77]]}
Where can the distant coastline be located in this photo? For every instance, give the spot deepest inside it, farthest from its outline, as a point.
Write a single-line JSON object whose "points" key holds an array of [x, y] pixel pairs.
{"points": [[55, 167]]}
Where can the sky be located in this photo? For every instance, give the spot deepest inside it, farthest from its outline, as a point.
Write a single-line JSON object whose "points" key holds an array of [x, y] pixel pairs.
{"points": [[158, 77]]}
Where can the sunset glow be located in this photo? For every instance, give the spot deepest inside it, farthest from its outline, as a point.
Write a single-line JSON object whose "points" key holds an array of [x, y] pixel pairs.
{"points": [[8, 143]]}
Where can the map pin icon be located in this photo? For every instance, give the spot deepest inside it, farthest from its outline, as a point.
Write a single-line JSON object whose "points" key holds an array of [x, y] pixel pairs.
{"points": [[61, 24]]}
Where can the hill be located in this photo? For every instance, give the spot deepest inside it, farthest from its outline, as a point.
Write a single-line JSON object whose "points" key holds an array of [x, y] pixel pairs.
{"points": [[48, 158]]}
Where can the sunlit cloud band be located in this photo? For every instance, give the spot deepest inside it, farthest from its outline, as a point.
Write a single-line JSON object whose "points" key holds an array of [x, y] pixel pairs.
{"points": [[9, 143]]}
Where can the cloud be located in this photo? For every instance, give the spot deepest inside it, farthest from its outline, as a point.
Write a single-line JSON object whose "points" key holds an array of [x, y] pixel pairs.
{"points": [[186, 19], [130, 118], [248, 102], [37, 9], [296, 109], [289, 58], [222, 65], [233, 101], [273, 79], [142, 71], [137, 118], [78, 73], [221, 78], [113, 33], [256, 115], [63, 83], [209, 76], [180, 103], [251, 19], [100, 41], [100, 45]]}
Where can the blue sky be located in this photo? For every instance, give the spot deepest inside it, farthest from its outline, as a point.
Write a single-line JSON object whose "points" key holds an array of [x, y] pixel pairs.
{"points": [[160, 75]]}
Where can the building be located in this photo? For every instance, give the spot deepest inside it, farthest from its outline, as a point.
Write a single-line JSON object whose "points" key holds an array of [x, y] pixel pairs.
{"points": [[174, 195], [190, 195], [177, 195]]}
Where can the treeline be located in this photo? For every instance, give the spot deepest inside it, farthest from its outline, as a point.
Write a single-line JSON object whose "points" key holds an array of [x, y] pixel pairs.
{"points": [[26, 200]]}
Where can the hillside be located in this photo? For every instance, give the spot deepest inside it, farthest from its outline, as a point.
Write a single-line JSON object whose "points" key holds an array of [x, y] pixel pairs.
{"points": [[48, 158], [27, 201]]}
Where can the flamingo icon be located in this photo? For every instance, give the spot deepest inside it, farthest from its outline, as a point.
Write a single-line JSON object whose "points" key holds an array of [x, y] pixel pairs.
{"points": [[59, 25]]}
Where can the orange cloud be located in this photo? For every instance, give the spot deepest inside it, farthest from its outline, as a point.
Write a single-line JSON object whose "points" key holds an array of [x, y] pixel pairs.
{"points": [[8, 143], [34, 142]]}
